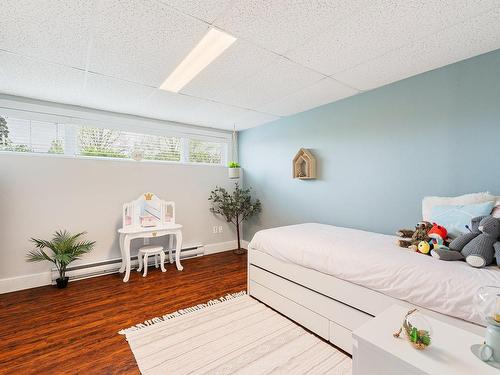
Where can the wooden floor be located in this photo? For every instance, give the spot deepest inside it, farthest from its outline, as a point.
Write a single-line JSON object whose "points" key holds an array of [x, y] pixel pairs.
{"points": [[74, 331]]}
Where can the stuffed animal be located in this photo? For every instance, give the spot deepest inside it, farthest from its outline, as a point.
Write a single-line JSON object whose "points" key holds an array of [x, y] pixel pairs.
{"points": [[411, 238], [496, 246], [438, 236], [459, 243], [424, 247], [479, 247]]}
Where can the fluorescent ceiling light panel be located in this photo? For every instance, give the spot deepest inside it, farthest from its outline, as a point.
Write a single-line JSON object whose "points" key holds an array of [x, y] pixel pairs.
{"points": [[207, 50]]}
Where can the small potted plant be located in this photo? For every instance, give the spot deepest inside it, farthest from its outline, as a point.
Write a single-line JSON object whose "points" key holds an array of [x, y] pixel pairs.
{"points": [[234, 169], [65, 248]]}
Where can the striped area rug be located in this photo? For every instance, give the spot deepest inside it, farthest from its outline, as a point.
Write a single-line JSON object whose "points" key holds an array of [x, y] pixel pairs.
{"points": [[233, 335]]}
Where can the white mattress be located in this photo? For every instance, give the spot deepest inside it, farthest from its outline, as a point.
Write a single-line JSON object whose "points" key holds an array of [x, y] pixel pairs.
{"points": [[376, 262]]}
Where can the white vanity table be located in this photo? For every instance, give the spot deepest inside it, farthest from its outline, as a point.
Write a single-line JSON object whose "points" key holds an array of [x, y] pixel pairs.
{"points": [[128, 234], [149, 217]]}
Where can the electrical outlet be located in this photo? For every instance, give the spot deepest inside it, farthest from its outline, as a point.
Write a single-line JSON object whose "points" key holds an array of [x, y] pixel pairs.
{"points": [[214, 229], [220, 229]]}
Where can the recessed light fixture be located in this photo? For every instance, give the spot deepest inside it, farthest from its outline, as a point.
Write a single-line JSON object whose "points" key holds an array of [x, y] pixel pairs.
{"points": [[207, 50]]}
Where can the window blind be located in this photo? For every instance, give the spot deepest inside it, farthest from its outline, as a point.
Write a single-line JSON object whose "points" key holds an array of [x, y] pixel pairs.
{"points": [[25, 135], [21, 135], [205, 151], [121, 144]]}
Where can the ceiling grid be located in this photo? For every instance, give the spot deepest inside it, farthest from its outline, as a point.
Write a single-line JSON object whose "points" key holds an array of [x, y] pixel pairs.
{"points": [[289, 56]]}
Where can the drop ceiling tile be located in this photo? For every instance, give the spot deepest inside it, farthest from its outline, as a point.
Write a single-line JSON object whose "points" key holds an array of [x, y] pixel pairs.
{"points": [[470, 38], [218, 115], [24, 76], [170, 106], [325, 91], [206, 10], [142, 41], [238, 62], [254, 118], [380, 27], [56, 30], [112, 94], [272, 83], [281, 24]]}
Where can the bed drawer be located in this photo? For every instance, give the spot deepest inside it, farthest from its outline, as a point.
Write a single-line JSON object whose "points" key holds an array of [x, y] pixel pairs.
{"points": [[303, 316], [331, 309], [341, 337]]}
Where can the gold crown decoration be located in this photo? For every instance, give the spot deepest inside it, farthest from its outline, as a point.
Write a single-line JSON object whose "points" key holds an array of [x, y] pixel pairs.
{"points": [[148, 196]]}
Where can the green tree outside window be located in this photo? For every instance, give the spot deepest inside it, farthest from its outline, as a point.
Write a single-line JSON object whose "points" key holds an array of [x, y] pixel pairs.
{"points": [[100, 142]]}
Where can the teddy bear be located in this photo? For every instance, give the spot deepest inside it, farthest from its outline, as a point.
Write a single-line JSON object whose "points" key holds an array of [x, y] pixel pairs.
{"points": [[479, 247], [411, 238]]}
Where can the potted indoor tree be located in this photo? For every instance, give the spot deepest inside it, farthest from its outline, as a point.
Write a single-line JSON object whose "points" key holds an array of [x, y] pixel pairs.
{"points": [[235, 207], [65, 248], [234, 169]]}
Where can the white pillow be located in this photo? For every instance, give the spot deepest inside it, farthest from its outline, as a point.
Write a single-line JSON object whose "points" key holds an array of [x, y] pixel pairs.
{"points": [[496, 209], [496, 212], [429, 202]]}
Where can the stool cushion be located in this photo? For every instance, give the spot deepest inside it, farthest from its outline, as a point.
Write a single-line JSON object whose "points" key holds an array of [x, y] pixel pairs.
{"points": [[151, 249]]}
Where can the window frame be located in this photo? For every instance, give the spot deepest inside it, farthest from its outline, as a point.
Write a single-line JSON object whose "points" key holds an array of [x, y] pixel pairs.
{"points": [[34, 110]]}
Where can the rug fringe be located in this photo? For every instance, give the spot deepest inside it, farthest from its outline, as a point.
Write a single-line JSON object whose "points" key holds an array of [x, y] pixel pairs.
{"points": [[181, 312]]}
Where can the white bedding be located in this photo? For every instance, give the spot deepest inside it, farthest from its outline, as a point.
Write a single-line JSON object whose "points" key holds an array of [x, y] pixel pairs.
{"points": [[376, 262]]}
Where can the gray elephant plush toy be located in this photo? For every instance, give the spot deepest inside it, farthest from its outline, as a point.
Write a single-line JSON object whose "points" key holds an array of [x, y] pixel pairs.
{"points": [[479, 247]]}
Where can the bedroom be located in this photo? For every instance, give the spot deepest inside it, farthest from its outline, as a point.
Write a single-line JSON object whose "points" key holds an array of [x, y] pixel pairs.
{"points": [[348, 121]]}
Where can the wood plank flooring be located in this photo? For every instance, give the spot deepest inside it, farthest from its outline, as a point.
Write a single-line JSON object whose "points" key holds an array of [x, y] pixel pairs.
{"points": [[74, 331]]}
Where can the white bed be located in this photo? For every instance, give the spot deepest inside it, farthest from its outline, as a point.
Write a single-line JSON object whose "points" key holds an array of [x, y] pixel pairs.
{"points": [[332, 279]]}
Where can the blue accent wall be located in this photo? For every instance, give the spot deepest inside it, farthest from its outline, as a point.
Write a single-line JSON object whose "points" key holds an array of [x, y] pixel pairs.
{"points": [[379, 153]]}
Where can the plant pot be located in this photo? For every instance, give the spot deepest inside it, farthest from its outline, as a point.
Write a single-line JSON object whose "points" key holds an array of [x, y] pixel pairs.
{"points": [[62, 283], [234, 172]]}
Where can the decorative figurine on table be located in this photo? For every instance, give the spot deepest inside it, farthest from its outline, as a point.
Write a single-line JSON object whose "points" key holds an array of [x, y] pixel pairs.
{"points": [[420, 336], [488, 306]]}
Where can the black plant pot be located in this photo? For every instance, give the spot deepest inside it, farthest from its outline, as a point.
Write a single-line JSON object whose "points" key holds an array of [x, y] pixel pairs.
{"points": [[62, 283]]}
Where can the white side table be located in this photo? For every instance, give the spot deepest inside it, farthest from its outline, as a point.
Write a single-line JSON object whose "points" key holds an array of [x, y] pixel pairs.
{"points": [[376, 351], [130, 233]]}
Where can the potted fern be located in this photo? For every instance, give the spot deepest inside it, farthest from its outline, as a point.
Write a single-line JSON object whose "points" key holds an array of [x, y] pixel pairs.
{"points": [[234, 169], [65, 248], [235, 207]]}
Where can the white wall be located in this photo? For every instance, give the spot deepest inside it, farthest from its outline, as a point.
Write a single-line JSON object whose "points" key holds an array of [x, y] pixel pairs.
{"points": [[42, 193]]}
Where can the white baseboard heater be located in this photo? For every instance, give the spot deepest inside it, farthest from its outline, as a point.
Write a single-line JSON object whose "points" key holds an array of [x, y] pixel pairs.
{"points": [[106, 267]]}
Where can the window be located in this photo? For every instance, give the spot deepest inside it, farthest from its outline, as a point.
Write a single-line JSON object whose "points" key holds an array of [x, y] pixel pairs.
{"points": [[113, 143], [31, 136], [23, 135], [205, 152]]}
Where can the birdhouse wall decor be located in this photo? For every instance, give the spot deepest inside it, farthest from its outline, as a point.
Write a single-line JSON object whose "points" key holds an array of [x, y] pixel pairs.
{"points": [[304, 165]]}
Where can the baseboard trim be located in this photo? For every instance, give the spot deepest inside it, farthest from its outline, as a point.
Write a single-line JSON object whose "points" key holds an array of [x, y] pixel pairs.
{"points": [[223, 246], [13, 284]]}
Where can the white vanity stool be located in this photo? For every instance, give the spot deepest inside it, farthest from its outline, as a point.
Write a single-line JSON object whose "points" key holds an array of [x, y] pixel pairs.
{"points": [[145, 252]]}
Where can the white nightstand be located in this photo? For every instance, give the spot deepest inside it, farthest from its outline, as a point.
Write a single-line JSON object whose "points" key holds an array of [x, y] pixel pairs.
{"points": [[376, 351]]}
